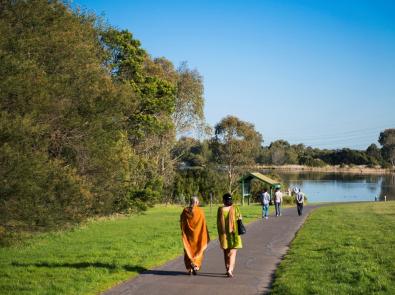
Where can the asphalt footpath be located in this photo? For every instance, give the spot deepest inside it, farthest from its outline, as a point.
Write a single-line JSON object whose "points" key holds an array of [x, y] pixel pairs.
{"points": [[264, 245]]}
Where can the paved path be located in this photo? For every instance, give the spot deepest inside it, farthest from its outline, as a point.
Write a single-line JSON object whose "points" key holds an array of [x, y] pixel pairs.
{"points": [[265, 244]]}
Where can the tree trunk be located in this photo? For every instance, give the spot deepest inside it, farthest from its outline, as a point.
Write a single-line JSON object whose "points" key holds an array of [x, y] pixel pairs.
{"points": [[230, 178]]}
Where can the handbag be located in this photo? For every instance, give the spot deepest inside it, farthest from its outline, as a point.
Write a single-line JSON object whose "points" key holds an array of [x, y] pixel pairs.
{"points": [[240, 227]]}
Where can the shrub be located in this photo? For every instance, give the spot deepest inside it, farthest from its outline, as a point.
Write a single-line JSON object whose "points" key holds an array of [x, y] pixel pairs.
{"points": [[291, 200], [36, 192]]}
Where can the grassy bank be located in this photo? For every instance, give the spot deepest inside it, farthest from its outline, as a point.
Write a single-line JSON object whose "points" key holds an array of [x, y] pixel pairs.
{"points": [[342, 249], [98, 255]]}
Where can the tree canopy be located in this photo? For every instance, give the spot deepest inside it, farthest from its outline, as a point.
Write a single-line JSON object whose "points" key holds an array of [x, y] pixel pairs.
{"points": [[235, 144], [387, 140], [87, 117]]}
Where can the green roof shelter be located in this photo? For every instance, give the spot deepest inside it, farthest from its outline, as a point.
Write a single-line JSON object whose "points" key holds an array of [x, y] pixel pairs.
{"points": [[245, 184]]}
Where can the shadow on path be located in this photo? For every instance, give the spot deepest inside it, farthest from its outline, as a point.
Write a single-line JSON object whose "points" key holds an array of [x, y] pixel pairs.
{"points": [[180, 273], [165, 273]]}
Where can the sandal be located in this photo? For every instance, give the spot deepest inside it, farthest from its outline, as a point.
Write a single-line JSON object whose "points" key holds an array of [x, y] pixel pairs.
{"points": [[194, 269]]}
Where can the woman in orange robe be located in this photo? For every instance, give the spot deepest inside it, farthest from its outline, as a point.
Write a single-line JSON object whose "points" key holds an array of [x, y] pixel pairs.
{"points": [[195, 235]]}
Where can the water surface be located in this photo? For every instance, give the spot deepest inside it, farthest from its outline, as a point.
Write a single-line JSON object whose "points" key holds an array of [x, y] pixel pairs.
{"points": [[340, 187]]}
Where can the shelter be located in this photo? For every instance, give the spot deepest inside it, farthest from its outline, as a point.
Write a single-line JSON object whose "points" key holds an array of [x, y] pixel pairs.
{"points": [[245, 183]]}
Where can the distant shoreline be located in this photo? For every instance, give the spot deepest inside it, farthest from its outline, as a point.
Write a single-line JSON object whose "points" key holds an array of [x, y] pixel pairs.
{"points": [[326, 169]]}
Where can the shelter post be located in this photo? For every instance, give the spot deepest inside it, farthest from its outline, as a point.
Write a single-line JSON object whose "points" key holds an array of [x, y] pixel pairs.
{"points": [[242, 192]]}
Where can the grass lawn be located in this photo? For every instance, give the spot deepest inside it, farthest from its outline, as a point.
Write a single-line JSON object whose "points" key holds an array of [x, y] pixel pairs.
{"points": [[342, 249], [98, 255]]}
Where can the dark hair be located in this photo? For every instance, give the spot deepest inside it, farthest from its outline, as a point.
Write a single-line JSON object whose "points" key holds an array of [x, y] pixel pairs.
{"points": [[227, 198]]}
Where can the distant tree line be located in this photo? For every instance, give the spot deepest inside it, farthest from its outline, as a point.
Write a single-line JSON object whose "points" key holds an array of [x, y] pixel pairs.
{"points": [[280, 152], [91, 125]]}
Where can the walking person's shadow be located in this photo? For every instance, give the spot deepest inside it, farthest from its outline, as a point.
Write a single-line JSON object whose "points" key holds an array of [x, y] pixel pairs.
{"points": [[180, 273]]}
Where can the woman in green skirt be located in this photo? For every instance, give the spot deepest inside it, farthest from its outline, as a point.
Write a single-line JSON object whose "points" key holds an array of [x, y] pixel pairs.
{"points": [[228, 235]]}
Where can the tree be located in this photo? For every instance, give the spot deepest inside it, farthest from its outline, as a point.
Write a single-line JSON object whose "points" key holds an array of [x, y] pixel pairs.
{"points": [[189, 151], [188, 115], [278, 151], [36, 192], [169, 101], [86, 117], [345, 156], [148, 121], [263, 156], [236, 143], [199, 181], [387, 140], [374, 153], [57, 102], [189, 112]]}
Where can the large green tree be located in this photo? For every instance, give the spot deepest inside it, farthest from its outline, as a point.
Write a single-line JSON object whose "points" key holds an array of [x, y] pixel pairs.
{"points": [[148, 123], [58, 100], [169, 101], [88, 118], [235, 144], [387, 140], [278, 152], [374, 152]]}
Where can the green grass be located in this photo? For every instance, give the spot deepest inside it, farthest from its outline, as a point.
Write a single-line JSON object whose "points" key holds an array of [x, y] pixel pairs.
{"points": [[98, 255], [342, 249]]}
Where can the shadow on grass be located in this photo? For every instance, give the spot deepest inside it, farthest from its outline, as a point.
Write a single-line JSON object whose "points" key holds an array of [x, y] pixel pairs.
{"points": [[79, 265], [112, 267]]}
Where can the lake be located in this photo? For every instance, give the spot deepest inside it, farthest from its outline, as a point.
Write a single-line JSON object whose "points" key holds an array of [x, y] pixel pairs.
{"points": [[341, 187]]}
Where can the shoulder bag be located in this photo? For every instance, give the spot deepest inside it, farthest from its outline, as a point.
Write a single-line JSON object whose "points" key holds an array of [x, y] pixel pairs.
{"points": [[240, 227]]}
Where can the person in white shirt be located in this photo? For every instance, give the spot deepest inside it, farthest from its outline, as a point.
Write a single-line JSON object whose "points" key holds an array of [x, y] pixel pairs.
{"points": [[299, 200], [278, 199], [265, 200]]}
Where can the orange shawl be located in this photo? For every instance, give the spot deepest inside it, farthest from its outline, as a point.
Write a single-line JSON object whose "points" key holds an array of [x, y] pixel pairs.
{"points": [[195, 235]]}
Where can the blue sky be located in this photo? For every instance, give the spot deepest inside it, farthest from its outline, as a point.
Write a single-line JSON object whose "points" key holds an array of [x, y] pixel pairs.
{"points": [[316, 72]]}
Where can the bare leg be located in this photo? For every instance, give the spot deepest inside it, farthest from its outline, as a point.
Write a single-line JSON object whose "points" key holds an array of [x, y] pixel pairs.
{"points": [[232, 260], [226, 258]]}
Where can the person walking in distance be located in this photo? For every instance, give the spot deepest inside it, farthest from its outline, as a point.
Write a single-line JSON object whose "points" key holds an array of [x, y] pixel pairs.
{"points": [[278, 199], [265, 200], [299, 200]]}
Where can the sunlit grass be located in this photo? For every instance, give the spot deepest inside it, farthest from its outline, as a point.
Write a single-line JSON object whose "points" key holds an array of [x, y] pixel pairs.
{"points": [[99, 254], [342, 249]]}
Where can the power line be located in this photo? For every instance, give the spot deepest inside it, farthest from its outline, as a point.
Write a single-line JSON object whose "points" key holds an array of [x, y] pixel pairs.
{"points": [[371, 130], [366, 134]]}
